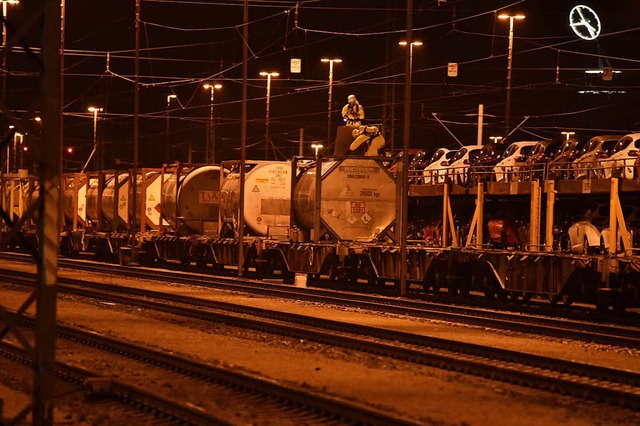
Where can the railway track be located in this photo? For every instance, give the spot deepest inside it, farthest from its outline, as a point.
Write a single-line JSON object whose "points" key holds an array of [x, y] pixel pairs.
{"points": [[579, 330], [145, 403], [603, 384], [269, 400]]}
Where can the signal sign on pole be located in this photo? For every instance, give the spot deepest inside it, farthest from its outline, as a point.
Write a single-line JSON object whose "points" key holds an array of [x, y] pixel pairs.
{"points": [[607, 73], [296, 65], [452, 69]]}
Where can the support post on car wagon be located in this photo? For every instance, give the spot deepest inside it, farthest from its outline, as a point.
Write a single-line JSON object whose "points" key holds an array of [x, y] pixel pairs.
{"points": [[551, 200], [535, 213], [478, 219]]}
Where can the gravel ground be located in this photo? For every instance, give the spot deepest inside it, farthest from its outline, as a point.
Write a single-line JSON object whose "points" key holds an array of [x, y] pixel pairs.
{"points": [[430, 395]]}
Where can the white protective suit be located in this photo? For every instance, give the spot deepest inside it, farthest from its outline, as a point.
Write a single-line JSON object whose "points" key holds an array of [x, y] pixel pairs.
{"points": [[369, 135]]}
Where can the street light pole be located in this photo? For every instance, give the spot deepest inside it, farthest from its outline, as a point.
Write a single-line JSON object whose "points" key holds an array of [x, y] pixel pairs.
{"points": [[18, 138], [211, 142], [266, 136], [511, 18], [167, 147], [331, 62], [95, 112], [413, 43]]}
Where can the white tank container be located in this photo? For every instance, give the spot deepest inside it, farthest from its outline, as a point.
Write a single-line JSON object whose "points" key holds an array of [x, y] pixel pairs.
{"points": [[193, 206], [69, 190], [124, 205], [358, 199], [153, 194], [267, 197], [19, 194]]}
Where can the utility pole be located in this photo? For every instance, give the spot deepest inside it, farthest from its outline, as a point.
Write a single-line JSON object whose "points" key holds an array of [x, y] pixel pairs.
{"points": [[405, 153], [243, 135], [50, 211], [301, 143], [480, 123], [136, 119]]}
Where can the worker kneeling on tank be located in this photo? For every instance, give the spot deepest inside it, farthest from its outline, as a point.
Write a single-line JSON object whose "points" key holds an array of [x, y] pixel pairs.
{"points": [[368, 141]]}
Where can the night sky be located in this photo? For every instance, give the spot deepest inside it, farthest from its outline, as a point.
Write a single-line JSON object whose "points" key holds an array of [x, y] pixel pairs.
{"points": [[177, 61]]}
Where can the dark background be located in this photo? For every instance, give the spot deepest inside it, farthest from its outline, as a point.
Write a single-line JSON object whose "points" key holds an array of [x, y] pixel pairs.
{"points": [[177, 62]]}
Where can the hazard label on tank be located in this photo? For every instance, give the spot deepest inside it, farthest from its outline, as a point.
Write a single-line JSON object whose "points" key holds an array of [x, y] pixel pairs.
{"points": [[365, 218], [358, 207], [255, 189], [123, 198], [152, 198], [351, 220], [347, 191]]}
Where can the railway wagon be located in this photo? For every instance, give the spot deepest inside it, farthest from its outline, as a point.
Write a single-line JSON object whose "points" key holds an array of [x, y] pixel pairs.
{"points": [[341, 223]]}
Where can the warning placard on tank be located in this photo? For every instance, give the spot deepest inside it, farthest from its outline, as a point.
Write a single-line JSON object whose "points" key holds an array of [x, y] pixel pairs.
{"points": [[209, 197], [358, 207]]}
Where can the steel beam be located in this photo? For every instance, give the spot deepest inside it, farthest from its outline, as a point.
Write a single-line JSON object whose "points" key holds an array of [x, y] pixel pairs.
{"points": [[49, 220]]}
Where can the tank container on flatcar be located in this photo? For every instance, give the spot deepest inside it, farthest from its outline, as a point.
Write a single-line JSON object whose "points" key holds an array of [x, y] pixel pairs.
{"points": [[19, 192], [68, 201], [358, 198], [267, 197], [190, 201], [123, 205]]}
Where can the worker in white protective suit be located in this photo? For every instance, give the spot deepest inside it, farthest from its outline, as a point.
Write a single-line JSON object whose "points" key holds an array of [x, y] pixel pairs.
{"points": [[367, 139], [353, 112]]}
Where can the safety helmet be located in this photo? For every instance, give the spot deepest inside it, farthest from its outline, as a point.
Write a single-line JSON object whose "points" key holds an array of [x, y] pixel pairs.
{"points": [[350, 97]]}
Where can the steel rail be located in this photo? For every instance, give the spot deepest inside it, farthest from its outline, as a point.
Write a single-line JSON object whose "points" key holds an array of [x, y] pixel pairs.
{"points": [[317, 406], [613, 386], [143, 400], [531, 324]]}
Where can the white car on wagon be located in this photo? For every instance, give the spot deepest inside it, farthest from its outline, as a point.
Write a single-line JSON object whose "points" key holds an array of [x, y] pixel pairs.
{"points": [[624, 154], [435, 171], [512, 160], [458, 168]]}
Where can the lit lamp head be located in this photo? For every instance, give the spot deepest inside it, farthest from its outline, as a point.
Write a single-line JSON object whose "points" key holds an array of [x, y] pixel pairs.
{"points": [[517, 17], [413, 43], [94, 109], [568, 134], [335, 60], [317, 147], [269, 74], [215, 86]]}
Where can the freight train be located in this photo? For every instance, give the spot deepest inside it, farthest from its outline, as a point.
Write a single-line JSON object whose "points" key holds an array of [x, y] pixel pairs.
{"points": [[337, 218]]}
